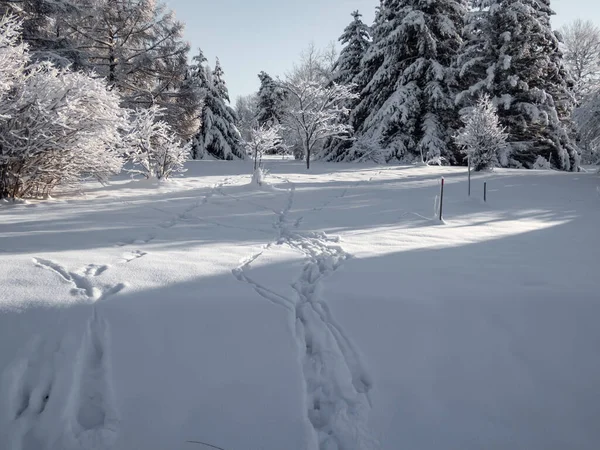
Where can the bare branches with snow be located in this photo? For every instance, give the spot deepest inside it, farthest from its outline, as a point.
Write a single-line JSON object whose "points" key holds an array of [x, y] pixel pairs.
{"points": [[152, 146], [57, 126], [314, 112]]}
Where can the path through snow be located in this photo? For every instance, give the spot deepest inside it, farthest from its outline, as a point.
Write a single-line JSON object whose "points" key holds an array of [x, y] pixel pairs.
{"points": [[337, 384]]}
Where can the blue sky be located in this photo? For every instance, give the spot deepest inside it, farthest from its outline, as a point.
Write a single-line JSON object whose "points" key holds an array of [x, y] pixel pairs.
{"points": [[253, 35]]}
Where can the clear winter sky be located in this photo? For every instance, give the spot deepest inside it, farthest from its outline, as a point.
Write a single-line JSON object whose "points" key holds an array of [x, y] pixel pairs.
{"points": [[249, 36]]}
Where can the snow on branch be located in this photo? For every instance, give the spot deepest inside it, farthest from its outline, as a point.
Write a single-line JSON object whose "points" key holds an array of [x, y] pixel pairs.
{"points": [[56, 126], [482, 138], [152, 146], [315, 111]]}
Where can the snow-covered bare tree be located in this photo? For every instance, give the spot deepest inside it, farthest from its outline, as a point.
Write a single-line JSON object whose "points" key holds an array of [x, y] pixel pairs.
{"points": [[314, 112], [315, 65], [587, 119], [152, 146], [13, 58], [246, 111], [482, 138], [263, 139], [138, 46], [581, 41], [218, 135], [407, 106], [43, 28], [56, 126]]}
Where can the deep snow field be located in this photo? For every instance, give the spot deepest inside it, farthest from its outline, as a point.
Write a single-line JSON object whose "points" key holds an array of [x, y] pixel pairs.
{"points": [[325, 311]]}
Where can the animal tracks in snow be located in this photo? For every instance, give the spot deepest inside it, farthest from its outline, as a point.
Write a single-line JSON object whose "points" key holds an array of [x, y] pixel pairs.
{"points": [[82, 279], [30, 388], [68, 377], [142, 241], [336, 382], [94, 421], [178, 218], [133, 255]]}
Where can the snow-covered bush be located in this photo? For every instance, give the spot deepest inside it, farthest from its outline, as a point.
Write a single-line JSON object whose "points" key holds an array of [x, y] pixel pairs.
{"points": [[482, 138], [13, 56], [263, 139], [56, 127], [541, 163], [152, 145]]}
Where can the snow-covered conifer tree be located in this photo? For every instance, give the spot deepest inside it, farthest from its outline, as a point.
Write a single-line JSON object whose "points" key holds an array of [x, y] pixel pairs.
{"points": [[475, 56], [219, 81], [407, 105], [525, 78], [218, 135], [355, 41], [482, 138], [270, 101]]}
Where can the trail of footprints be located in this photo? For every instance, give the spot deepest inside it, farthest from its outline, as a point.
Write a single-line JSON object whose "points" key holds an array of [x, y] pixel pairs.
{"points": [[71, 377], [336, 382], [42, 377]]}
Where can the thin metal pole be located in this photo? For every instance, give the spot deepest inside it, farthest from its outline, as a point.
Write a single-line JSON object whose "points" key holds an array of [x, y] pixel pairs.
{"points": [[469, 159], [442, 199]]}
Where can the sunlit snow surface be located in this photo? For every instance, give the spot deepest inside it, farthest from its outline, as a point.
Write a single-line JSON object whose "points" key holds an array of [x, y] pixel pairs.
{"points": [[326, 310]]}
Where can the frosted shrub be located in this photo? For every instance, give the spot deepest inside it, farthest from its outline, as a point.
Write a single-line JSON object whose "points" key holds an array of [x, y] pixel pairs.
{"points": [[262, 140], [482, 138], [56, 126], [541, 163], [152, 146]]}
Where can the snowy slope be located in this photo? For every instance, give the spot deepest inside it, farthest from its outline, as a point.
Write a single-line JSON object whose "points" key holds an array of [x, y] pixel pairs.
{"points": [[326, 311]]}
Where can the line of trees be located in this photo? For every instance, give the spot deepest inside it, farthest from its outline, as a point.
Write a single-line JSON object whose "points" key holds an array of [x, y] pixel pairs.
{"points": [[91, 84], [424, 65]]}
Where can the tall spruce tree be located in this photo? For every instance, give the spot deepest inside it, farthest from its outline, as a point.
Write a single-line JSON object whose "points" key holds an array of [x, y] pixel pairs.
{"points": [[355, 40], [219, 81], [407, 106], [270, 102], [218, 135], [512, 54], [475, 56], [530, 85]]}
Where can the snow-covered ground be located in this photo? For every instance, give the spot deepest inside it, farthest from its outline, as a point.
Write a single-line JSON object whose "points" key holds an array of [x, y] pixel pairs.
{"points": [[326, 311]]}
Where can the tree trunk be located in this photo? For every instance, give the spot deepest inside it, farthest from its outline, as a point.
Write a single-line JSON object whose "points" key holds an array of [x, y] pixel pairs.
{"points": [[307, 151]]}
